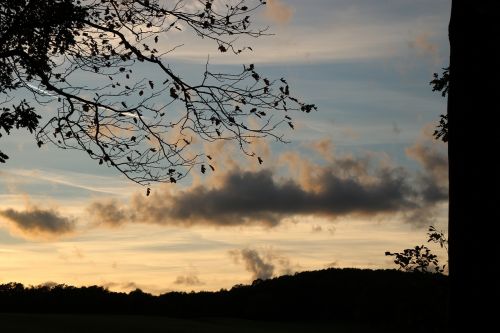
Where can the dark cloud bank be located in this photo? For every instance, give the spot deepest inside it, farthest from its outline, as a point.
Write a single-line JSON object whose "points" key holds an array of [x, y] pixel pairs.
{"points": [[39, 222], [345, 188]]}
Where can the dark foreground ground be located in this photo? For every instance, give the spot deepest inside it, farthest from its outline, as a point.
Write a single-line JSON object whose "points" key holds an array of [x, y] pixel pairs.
{"points": [[66, 323]]}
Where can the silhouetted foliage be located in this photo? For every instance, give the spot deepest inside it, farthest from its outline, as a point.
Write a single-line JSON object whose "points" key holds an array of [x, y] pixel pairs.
{"points": [[334, 294], [100, 65], [438, 237], [420, 258], [19, 116], [442, 84]]}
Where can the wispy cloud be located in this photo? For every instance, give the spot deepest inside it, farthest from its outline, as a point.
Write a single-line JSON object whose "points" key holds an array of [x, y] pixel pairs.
{"points": [[333, 31], [279, 12], [131, 286], [190, 279], [431, 155], [93, 183], [254, 263], [424, 46], [263, 264]]}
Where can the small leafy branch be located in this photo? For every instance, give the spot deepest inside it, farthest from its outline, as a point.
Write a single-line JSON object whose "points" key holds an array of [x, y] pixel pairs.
{"points": [[420, 258], [442, 84]]}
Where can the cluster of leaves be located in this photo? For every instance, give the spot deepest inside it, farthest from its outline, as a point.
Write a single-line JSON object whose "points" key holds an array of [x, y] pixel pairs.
{"points": [[31, 33], [143, 122], [420, 258], [441, 84], [19, 116]]}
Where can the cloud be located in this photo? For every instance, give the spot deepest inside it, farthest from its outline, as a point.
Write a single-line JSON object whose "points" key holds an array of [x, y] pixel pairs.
{"points": [[316, 228], [130, 286], [434, 178], [424, 47], [248, 197], [395, 128], [108, 212], [35, 222], [278, 12], [263, 265], [431, 181], [254, 263], [333, 264], [76, 253], [367, 186], [188, 280], [331, 31]]}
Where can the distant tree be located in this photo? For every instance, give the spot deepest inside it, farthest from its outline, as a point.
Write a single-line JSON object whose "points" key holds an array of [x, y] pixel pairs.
{"points": [[99, 66]]}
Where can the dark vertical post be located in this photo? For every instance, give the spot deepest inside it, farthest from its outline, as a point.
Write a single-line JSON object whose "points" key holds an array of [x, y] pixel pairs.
{"points": [[474, 146]]}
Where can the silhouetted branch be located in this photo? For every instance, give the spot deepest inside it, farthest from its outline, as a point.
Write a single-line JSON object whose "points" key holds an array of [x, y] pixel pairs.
{"points": [[88, 67]]}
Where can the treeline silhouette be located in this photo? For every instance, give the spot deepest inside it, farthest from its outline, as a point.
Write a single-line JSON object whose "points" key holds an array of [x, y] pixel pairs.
{"points": [[410, 299]]}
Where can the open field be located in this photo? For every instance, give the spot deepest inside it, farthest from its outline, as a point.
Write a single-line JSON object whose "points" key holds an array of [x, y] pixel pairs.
{"points": [[55, 323]]}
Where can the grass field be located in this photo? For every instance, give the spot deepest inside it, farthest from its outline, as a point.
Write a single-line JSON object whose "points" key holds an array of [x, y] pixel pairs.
{"points": [[55, 323]]}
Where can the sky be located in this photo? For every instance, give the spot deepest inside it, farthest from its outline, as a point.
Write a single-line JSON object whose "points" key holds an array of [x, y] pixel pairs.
{"points": [[360, 176]]}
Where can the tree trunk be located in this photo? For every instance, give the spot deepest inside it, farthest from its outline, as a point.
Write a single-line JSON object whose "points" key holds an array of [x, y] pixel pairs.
{"points": [[474, 176]]}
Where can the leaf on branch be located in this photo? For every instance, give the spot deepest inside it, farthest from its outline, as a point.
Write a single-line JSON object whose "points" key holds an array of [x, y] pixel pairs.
{"points": [[173, 93], [3, 157]]}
